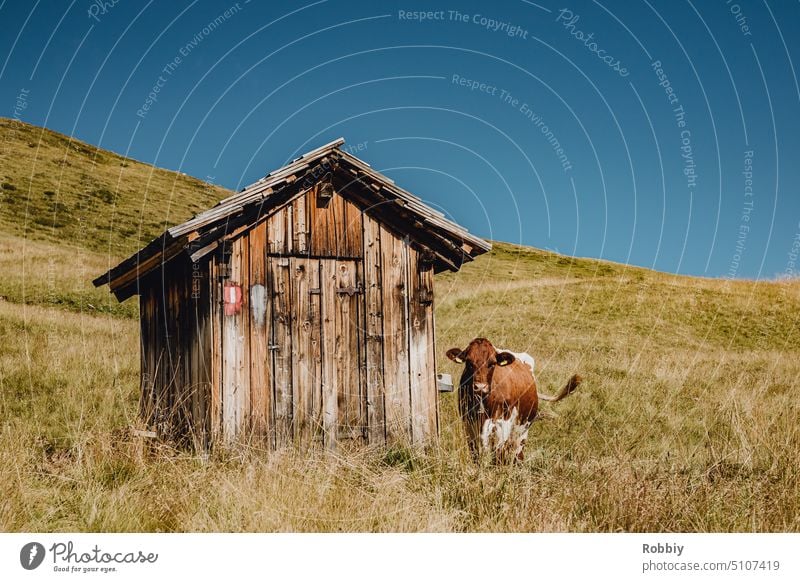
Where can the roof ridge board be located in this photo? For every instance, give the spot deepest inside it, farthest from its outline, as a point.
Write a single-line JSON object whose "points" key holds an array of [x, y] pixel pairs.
{"points": [[328, 146], [306, 157]]}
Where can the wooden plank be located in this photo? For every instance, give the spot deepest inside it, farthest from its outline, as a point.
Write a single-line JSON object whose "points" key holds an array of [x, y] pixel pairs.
{"points": [[289, 226], [154, 357], [304, 272], [259, 316], [202, 362], [426, 284], [421, 369], [347, 351], [353, 223], [195, 353], [147, 360], [144, 383], [185, 328], [235, 367], [165, 362], [395, 343], [374, 333], [361, 340], [171, 311], [216, 339], [193, 363], [318, 219], [189, 343], [281, 348], [335, 228], [329, 377], [276, 233], [177, 322], [243, 338], [299, 234], [229, 343], [337, 233], [315, 319], [159, 365]]}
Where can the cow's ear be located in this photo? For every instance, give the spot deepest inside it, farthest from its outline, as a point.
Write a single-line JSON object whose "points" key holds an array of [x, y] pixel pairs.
{"points": [[456, 354], [505, 358]]}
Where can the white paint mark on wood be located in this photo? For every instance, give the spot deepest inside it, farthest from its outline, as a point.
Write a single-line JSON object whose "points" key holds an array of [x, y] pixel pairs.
{"points": [[258, 303]]}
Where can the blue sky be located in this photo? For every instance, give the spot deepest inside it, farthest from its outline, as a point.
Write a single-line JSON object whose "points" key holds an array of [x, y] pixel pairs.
{"points": [[658, 133]]}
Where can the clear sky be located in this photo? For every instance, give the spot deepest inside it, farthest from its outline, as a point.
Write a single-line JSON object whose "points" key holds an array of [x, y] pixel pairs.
{"points": [[659, 133]]}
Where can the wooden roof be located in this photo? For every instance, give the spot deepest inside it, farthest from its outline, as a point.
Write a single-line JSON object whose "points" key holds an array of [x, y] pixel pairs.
{"points": [[448, 244]]}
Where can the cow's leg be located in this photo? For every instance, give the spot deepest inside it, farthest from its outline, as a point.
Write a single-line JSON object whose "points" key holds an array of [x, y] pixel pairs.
{"points": [[473, 433], [469, 409], [488, 436], [520, 438], [498, 436]]}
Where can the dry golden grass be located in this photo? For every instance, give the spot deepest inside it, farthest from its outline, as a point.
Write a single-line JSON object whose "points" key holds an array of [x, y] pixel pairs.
{"points": [[687, 420]]}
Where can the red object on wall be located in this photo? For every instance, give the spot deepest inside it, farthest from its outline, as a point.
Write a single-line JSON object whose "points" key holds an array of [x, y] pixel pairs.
{"points": [[232, 298]]}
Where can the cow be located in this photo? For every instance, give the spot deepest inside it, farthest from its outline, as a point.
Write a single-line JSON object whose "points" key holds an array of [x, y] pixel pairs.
{"points": [[498, 399]]}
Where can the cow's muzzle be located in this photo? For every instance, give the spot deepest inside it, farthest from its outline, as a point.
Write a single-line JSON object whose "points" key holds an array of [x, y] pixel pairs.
{"points": [[480, 387]]}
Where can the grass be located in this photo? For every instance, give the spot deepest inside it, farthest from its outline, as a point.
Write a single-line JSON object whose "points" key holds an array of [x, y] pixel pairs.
{"points": [[687, 420], [36, 272], [58, 189]]}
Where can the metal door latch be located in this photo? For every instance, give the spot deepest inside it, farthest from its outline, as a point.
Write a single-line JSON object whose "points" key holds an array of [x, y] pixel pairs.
{"points": [[349, 290]]}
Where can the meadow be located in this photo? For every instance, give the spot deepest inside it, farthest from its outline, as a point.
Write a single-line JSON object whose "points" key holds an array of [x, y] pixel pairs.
{"points": [[687, 419]]}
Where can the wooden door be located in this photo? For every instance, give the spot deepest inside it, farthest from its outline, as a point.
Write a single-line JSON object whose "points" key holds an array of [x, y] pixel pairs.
{"points": [[342, 323], [317, 347]]}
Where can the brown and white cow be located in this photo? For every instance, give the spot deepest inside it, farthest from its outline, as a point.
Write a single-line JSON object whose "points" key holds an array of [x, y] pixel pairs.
{"points": [[498, 399]]}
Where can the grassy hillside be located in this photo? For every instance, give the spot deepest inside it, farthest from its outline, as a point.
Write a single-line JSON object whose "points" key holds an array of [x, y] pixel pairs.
{"points": [[59, 189], [687, 420]]}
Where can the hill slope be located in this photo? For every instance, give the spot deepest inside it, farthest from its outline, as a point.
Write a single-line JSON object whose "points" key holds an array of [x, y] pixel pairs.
{"points": [[63, 190], [687, 420]]}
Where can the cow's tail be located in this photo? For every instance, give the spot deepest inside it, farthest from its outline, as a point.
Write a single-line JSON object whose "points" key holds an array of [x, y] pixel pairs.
{"points": [[570, 387]]}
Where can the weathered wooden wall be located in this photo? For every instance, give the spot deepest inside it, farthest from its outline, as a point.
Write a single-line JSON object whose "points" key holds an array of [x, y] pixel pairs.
{"points": [[176, 352], [318, 329]]}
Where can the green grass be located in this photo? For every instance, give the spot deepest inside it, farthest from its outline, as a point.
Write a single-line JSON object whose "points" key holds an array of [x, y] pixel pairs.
{"points": [[59, 189], [687, 420]]}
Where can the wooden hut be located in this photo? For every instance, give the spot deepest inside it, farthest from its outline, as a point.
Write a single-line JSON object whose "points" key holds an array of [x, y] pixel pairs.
{"points": [[299, 309]]}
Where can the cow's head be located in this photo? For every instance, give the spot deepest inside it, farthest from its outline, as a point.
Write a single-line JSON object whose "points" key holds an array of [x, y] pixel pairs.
{"points": [[479, 359]]}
